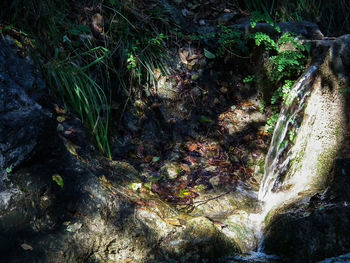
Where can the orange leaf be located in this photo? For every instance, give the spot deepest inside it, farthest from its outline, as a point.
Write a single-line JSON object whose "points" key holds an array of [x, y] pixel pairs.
{"points": [[148, 158], [193, 147], [59, 110], [185, 167]]}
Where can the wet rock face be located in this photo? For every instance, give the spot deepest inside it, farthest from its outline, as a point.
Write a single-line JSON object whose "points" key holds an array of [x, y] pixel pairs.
{"points": [[309, 237], [21, 117], [315, 228]]}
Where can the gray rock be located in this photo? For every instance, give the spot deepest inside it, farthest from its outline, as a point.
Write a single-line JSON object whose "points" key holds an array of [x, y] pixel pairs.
{"points": [[22, 119], [171, 170], [224, 19], [307, 30], [314, 223], [342, 258], [315, 228]]}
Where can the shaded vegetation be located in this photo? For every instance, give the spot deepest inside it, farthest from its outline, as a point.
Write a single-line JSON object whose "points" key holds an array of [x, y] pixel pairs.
{"points": [[92, 53], [100, 57], [331, 16]]}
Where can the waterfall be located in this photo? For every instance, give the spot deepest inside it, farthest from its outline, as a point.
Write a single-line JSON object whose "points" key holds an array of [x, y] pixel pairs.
{"points": [[291, 164], [278, 157], [272, 192]]}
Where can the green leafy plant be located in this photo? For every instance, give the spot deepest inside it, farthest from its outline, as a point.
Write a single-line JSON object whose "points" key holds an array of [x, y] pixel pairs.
{"points": [[231, 42], [283, 92], [83, 93], [183, 193], [58, 179], [249, 78], [291, 135], [271, 122], [264, 39], [9, 169], [257, 17], [262, 105], [289, 60]]}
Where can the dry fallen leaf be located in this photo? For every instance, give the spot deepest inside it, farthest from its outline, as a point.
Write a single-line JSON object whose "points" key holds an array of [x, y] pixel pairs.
{"points": [[162, 81], [173, 221], [193, 147], [193, 62], [26, 246], [69, 131], [105, 182], [61, 118], [59, 110], [157, 73], [185, 167], [183, 56], [72, 148], [148, 158], [194, 56]]}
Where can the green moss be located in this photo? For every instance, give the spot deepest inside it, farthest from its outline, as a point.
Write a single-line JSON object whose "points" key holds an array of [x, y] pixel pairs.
{"points": [[261, 164], [323, 169], [338, 131], [242, 235]]}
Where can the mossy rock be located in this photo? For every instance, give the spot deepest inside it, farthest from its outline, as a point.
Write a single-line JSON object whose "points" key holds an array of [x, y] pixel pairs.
{"points": [[200, 239]]}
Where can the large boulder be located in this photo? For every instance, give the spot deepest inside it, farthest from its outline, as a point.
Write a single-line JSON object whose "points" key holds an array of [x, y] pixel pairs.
{"points": [[314, 228], [309, 223], [22, 119], [318, 115], [95, 216]]}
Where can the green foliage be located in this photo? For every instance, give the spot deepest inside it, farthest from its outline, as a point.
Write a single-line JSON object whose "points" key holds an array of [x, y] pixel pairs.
{"points": [[264, 39], [205, 119], [183, 193], [155, 159], [286, 60], [285, 63], [139, 47], [262, 105], [58, 179], [290, 58], [83, 94], [331, 16], [282, 92], [9, 169], [231, 42], [257, 17], [208, 54], [291, 135], [249, 78], [271, 122], [135, 186]]}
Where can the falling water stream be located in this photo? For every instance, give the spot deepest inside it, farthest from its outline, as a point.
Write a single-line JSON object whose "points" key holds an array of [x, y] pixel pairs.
{"points": [[278, 157], [273, 192]]}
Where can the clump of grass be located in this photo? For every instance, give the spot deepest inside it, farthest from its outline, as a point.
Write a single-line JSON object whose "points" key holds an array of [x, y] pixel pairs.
{"points": [[137, 34], [84, 95]]}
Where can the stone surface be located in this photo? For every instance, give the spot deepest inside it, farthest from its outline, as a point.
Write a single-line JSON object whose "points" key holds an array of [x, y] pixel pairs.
{"points": [[307, 30], [22, 119], [95, 217], [321, 126], [315, 228]]}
